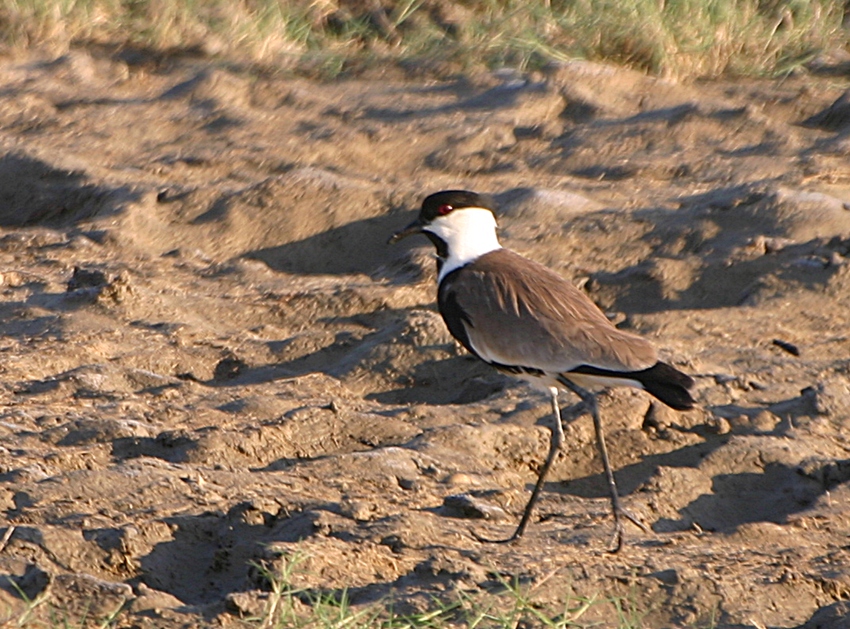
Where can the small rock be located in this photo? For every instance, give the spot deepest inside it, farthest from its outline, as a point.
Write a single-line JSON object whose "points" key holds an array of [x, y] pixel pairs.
{"points": [[149, 599], [13, 279], [762, 423], [248, 514], [359, 510], [829, 472], [766, 244], [724, 378], [667, 577], [251, 603], [86, 278], [89, 430], [459, 479], [718, 425], [394, 542], [146, 379], [408, 484], [228, 368], [450, 565], [95, 286], [788, 347], [466, 506], [658, 419], [835, 616], [832, 398]]}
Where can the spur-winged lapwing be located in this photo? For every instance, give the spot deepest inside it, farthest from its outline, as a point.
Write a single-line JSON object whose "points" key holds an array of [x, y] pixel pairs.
{"points": [[525, 320]]}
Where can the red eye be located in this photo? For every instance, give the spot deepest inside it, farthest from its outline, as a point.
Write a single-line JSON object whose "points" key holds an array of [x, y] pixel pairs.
{"points": [[444, 209]]}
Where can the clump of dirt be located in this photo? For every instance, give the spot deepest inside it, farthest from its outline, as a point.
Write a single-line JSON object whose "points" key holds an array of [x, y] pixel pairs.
{"points": [[212, 361]]}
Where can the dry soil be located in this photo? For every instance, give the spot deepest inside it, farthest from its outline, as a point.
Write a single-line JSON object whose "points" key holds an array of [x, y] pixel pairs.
{"points": [[211, 360]]}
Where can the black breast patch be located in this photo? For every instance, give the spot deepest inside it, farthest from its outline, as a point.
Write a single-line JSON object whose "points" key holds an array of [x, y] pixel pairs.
{"points": [[452, 313]]}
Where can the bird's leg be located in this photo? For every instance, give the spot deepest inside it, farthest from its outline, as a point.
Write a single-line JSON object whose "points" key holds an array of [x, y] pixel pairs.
{"points": [[557, 438], [555, 442], [589, 400]]}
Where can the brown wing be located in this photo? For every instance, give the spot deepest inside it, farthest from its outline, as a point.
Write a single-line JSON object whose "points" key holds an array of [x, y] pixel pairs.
{"points": [[517, 312]]}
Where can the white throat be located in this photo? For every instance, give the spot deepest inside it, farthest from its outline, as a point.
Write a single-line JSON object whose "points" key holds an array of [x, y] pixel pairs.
{"points": [[468, 233]]}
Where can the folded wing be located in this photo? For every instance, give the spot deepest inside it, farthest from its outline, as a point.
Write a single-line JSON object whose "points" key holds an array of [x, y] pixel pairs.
{"points": [[510, 310]]}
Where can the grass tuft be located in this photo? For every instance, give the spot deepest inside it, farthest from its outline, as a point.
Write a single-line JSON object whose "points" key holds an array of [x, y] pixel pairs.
{"points": [[41, 613], [512, 605], [683, 38]]}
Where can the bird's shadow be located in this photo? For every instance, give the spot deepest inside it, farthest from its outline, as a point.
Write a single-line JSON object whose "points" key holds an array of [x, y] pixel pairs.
{"points": [[771, 495], [356, 247]]}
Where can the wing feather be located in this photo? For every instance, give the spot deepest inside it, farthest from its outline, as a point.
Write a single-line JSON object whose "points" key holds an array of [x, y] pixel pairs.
{"points": [[510, 310]]}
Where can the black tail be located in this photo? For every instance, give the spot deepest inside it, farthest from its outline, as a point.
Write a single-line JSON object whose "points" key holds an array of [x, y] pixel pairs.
{"points": [[666, 383]]}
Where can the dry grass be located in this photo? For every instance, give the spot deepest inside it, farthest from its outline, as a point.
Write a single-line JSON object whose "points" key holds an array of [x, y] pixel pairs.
{"points": [[511, 605], [508, 605], [685, 38]]}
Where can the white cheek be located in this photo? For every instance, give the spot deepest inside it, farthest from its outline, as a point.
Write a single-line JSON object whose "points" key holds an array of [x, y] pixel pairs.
{"points": [[441, 228], [467, 225], [468, 234]]}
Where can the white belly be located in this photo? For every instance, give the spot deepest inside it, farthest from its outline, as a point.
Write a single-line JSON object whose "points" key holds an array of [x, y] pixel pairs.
{"points": [[589, 382]]}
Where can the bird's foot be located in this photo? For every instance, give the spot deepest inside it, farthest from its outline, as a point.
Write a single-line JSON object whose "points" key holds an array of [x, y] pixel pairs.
{"points": [[616, 542], [634, 520], [486, 540], [619, 530]]}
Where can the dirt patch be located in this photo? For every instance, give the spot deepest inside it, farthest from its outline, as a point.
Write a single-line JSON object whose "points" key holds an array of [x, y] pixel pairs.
{"points": [[212, 361]]}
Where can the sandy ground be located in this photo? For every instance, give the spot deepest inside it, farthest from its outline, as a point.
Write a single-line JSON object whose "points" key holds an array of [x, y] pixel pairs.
{"points": [[211, 359]]}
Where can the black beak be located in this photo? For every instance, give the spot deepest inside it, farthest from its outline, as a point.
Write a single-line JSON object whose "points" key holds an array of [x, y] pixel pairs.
{"points": [[414, 228]]}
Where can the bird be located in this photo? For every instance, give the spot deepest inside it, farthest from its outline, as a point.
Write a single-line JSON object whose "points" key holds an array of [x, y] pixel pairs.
{"points": [[527, 321]]}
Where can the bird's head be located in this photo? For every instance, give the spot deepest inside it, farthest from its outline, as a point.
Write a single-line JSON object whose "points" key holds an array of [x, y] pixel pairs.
{"points": [[458, 222]]}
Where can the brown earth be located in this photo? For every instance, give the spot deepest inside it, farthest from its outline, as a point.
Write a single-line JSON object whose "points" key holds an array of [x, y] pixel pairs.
{"points": [[210, 358]]}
